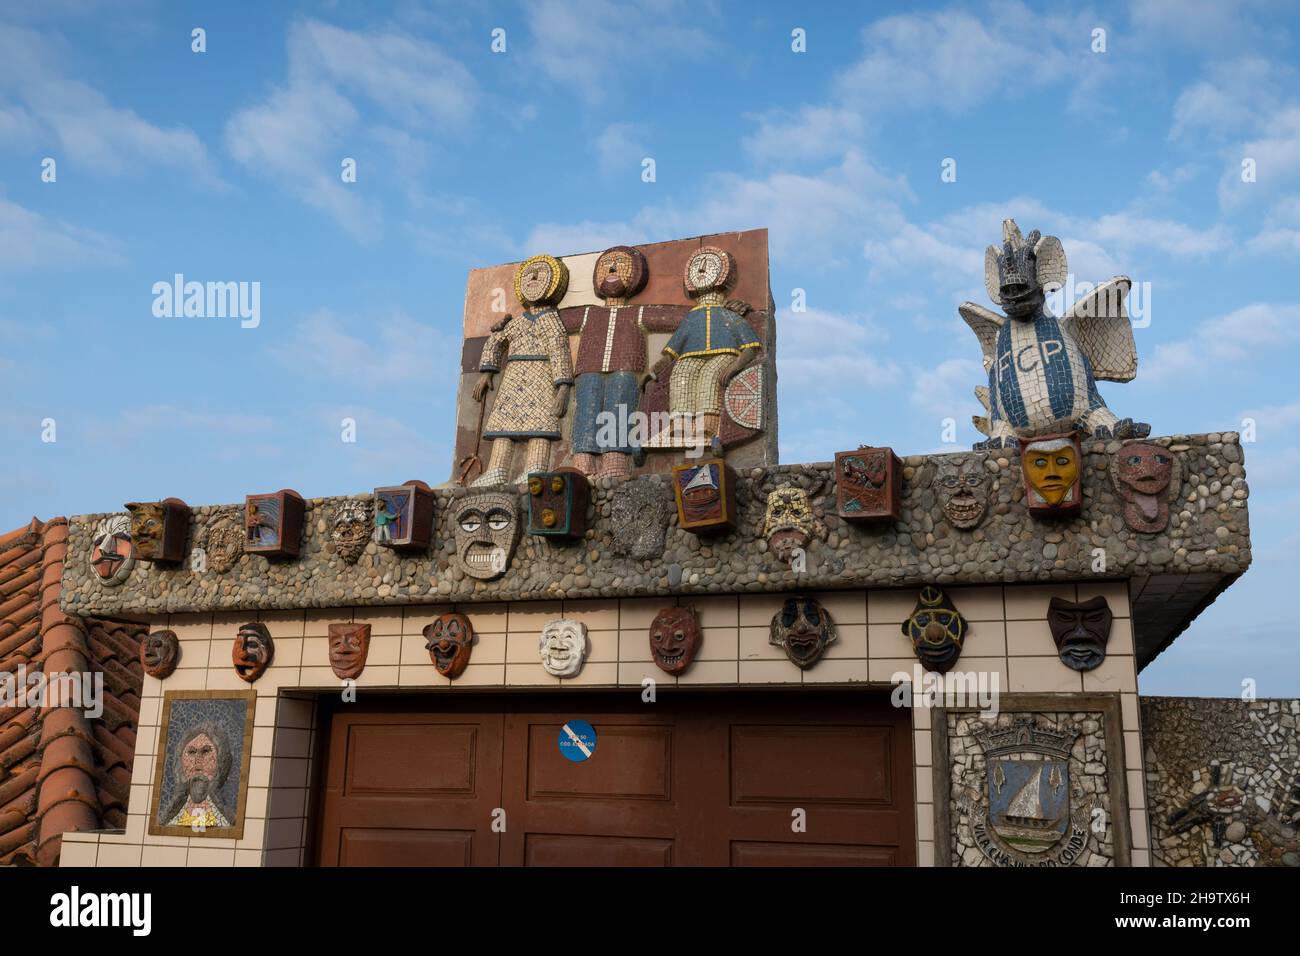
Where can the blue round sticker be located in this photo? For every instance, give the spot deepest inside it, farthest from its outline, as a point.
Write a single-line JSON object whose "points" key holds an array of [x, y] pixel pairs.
{"points": [[577, 740]]}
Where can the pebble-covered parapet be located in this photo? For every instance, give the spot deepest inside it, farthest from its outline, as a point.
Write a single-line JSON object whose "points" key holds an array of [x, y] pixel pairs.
{"points": [[1206, 542]]}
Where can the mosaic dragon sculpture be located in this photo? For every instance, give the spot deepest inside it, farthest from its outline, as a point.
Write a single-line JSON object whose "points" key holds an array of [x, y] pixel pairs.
{"points": [[1043, 370]]}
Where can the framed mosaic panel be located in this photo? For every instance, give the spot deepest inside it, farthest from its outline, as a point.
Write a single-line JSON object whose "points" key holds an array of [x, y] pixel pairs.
{"points": [[200, 784], [1040, 784]]}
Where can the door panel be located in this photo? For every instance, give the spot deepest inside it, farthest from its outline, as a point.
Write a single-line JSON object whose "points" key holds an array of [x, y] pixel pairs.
{"points": [[713, 778]]}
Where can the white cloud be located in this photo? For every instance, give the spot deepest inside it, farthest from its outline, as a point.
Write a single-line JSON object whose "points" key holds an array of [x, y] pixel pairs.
{"points": [[46, 105], [300, 133], [373, 351], [29, 238], [597, 47], [1234, 338], [620, 149], [1276, 154], [948, 389]]}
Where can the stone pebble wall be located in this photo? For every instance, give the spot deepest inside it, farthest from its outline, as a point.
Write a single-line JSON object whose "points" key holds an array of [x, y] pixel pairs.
{"points": [[1207, 532], [1223, 781]]}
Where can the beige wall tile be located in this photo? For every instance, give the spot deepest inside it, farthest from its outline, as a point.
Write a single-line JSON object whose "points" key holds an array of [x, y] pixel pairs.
{"points": [[922, 716], [846, 670], [1137, 821], [1115, 673], [524, 647], [226, 678], [385, 650], [598, 615], [925, 822], [415, 654], [318, 677], [529, 674], [315, 652], [270, 683], [890, 607], [188, 678], [152, 688], [382, 620], [74, 853], [978, 603], [482, 675], [1121, 636], [529, 617], [259, 771], [844, 607], [254, 834], [206, 856], [1132, 749], [377, 676], [1029, 639], [146, 740], [283, 624], [248, 857], [422, 676], [601, 672], [924, 784], [120, 855], [1042, 675], [769, 672], [138, 802], [635, 614], [755, 645], [164, 855], [757, 610], [634, 646], [710, 672], [922, 755], [714, 611], [1136, 782], [256, 802], [150, 711], [719, 644], [883, 669], [415, 618], [1128, 704], [190, 627], [1028, 602], [925, 853], [888, 641], [316, 623], [1115, 593], [986, 639], [602, 647], [1141, 857], [631, 673], [850, 642]]}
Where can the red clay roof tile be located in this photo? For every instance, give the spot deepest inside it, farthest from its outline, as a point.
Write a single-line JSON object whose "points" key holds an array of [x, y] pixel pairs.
{"points": [[60, 770]]}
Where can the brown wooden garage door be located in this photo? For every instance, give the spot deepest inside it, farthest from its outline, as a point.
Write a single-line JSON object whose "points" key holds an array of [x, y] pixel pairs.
{"points": [[693, 779]]}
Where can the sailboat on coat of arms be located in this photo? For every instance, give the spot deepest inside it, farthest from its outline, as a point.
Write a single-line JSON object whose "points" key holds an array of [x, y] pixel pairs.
{"points": [[1034, 817]]}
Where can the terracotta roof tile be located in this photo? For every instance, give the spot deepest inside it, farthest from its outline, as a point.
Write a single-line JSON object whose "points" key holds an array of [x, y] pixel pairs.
{"points": [[60, 770]]}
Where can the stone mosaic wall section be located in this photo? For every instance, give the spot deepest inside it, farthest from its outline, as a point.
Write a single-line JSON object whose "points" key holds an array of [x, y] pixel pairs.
{"points": [[1224, 780], [1040, 808], [1207, 539]]}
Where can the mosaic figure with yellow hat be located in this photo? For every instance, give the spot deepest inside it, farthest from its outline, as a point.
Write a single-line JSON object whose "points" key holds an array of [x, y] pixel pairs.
{"points": [[531, 350]]}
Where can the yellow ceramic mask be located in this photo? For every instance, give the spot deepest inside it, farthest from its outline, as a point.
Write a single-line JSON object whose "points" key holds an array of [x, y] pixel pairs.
{"points": [[1051, 472]]}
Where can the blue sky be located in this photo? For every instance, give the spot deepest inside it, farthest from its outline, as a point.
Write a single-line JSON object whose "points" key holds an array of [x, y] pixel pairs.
{"points": [[224, 166]]}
